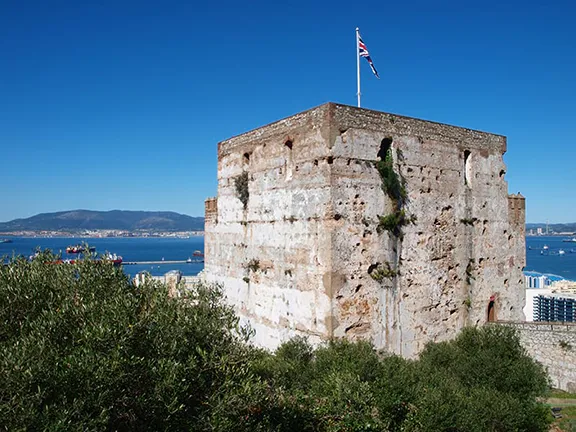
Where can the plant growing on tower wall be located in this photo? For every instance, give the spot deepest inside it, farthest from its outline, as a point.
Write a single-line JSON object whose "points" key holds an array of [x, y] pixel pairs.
{"points": [[393, 185], [241, 183]]}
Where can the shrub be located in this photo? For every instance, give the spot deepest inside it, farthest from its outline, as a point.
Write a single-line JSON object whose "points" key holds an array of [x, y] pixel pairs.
{"points": [[242, 192], [394, 222], [489, 357], [482, 381], [83, 348], [392, 184], [381, 272]]}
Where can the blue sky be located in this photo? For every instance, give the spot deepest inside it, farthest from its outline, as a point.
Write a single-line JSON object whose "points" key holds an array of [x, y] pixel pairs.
{"points": [[120, 104]]}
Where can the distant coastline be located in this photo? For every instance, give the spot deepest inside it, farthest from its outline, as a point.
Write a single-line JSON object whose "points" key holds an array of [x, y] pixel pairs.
{"points": [[554, 234], [102, 234], [113, 223]]}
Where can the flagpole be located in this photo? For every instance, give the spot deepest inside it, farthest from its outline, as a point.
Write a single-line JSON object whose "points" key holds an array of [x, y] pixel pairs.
{"points": [[358, 63]]}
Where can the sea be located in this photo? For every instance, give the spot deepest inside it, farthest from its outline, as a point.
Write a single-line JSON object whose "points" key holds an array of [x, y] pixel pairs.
{"points": [[131, 249], [547, 260], [543, 256]]}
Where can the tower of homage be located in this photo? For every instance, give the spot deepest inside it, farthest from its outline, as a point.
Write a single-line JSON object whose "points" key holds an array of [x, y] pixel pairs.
{"points": [[342, 222]]}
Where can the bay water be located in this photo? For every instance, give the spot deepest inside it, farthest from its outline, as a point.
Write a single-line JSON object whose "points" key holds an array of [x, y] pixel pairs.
{"points": [[131, 249]]}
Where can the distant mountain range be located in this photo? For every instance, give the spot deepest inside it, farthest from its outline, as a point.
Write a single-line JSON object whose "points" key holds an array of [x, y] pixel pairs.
{"points": [[78, 220], [557, 227]]}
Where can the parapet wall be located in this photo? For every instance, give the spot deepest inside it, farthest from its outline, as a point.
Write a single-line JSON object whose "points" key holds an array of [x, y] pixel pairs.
{"points": [[517, 212], [553, 345]]}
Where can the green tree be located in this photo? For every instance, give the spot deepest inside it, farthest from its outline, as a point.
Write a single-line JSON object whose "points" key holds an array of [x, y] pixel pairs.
{"points": [[82, 348], [481, 381]]}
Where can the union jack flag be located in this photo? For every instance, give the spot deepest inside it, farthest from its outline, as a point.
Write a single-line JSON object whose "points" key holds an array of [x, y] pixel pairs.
{"points": [[363, 52]]}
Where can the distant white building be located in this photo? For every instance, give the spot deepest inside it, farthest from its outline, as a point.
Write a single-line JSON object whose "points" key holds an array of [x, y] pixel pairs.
{"points": [[549, 298], [530, 295], [554, 307]]}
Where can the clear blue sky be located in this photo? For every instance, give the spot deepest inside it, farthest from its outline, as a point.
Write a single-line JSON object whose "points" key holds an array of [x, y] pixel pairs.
{"points": [[120, 104]]}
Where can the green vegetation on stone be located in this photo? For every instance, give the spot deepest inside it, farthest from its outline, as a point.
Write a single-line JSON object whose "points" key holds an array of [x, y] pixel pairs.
{"points": [[242, 192], [394, 222], [383, 271], [394, 186]]}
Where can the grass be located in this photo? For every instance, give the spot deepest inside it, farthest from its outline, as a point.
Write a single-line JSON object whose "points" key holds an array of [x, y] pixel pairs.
{"points": [[568, 421], [559, 394]]}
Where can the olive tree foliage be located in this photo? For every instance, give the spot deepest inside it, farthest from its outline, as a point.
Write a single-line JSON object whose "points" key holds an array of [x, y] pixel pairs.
{"points": [[82, 348]]}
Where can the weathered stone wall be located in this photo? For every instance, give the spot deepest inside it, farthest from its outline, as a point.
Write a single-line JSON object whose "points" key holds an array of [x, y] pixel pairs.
{"points": [[311, 226], [273, 256], [461, 253], [553, 345]]}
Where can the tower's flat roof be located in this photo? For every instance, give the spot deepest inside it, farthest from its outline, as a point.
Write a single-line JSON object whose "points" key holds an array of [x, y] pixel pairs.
{"points": [[346, 116]]}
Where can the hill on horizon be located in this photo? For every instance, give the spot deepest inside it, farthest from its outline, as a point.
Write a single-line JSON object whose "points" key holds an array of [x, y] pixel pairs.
{"points": [[76, 220]]}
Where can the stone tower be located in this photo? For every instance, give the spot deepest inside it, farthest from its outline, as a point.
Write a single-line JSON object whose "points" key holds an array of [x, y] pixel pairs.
{"points": [[308, 237]]}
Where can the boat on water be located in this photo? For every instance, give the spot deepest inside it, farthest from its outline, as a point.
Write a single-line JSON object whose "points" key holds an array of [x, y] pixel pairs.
{"points": [[572, 240], [189, 260], [79, 249], [197, 253], [5, 240], [545, 247], [561, 252]]}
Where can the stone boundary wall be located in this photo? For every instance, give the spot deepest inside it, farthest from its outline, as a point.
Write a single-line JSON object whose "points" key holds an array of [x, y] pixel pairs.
{"points": [[553, 345]]}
